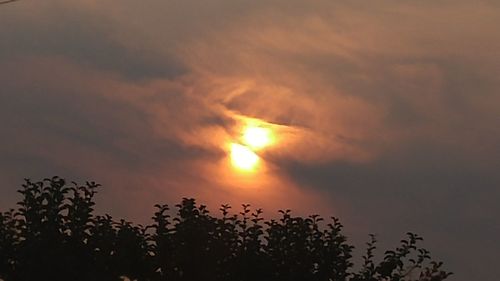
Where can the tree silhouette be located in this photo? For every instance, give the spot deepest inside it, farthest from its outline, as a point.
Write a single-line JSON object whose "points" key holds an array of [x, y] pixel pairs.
{"points": [[54, 235]]}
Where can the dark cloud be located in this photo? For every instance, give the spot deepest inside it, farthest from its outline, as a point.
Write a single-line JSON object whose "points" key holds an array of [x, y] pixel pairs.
{"points": [[87, 39], [62, 122], [425, 187]]}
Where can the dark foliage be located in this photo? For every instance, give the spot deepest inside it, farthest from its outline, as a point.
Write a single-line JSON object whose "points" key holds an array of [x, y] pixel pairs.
{"points": [[54, 235]]}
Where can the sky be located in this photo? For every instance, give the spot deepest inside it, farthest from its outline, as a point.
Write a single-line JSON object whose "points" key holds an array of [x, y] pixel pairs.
{"points": [[383, 113]]}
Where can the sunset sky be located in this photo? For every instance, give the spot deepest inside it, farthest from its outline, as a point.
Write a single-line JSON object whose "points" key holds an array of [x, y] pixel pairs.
{"points": [[383, 113]]}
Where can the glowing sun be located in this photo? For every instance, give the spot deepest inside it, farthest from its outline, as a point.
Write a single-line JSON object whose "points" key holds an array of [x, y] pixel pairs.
{"points": [[243, 157], [257, 137]]}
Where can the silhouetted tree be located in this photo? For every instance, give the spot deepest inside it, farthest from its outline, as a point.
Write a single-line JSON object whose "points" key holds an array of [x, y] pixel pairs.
{"points": [[54, 235]]}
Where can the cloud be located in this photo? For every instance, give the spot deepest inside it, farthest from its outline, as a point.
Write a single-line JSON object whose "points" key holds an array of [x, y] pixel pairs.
{"points": [[385, 113]]}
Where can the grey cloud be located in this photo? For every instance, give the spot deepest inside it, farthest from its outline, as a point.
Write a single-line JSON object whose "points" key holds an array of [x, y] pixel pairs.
{"points": [[424, 187], [64, 123], [87, 39]]}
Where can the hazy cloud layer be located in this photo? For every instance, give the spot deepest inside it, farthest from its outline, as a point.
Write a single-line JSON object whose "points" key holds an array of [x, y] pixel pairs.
{"points": [[386, 113]]}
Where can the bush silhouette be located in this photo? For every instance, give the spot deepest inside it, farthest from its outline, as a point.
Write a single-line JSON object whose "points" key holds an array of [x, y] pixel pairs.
{"points": [[54, 235]]}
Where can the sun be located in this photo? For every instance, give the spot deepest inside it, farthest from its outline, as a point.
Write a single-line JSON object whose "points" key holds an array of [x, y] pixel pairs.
{"points": [[257, 137], [243, 157], [244, 151]]}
